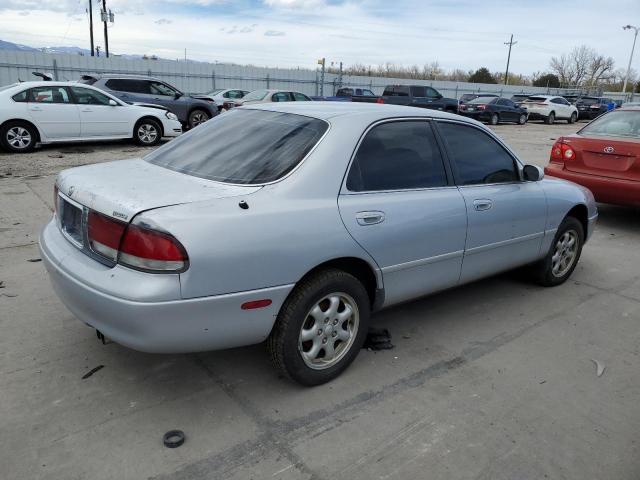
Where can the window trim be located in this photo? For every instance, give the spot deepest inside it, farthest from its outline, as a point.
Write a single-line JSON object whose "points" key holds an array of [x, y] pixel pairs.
{"points": [[344, 190], [518, 164]]}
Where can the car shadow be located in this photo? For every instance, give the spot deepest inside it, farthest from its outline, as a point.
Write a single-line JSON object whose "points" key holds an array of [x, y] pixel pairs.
{"points": [[619, 217]]}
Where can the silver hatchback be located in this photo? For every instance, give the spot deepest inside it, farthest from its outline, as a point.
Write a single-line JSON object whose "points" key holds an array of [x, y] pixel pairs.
{"points": [[291, 223]]}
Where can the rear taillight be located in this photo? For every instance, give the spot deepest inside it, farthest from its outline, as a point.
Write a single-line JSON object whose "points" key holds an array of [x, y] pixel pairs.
{"points": [[481, 107], [561, 152], [105, 234], [462, 106], [151, 250], [135, 246], [380, 100]]}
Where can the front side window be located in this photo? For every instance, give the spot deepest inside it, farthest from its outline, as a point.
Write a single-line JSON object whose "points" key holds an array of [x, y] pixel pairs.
{"points": [[367, 93], [395, 156], [280, 97], [300, 97], [432, 93], [255, 95], [234, 94], [477, 158], [242, 146], [615, 124], [158, 88], [86, 96], [420, 92], [49, 95]]}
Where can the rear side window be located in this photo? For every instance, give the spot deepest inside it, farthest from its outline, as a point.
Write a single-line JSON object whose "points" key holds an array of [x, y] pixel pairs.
{"points": [[397, 91], [128, 85], [396, 156], [300, 97], [477, 158], [49, 95], [242, 146], [20, 97]]}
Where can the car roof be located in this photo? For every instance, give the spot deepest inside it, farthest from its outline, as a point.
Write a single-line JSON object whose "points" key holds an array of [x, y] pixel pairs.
{"points": [[43, 83], [373, 111], [123, 75]]}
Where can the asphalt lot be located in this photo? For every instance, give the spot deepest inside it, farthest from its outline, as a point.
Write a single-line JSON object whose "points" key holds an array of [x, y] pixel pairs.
{"points": [[493, 380]]}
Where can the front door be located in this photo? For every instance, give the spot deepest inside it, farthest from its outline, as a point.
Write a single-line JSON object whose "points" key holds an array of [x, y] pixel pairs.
{"points": [[506, 216], [98, 118], [52, 110], [400, 205]]}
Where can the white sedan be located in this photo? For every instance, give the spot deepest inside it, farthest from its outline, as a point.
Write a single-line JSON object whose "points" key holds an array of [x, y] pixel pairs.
{"points": [[47, 112]]}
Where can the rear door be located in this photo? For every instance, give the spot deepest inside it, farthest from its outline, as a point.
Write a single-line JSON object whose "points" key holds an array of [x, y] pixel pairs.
{"points": [[400, 205], [98, 118], [52, 110], [506, 216]]}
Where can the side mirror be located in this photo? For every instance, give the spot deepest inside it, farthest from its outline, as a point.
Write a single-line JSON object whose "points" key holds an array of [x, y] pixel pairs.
{"points": [[177, 95], [113, 103], [532, 173]]}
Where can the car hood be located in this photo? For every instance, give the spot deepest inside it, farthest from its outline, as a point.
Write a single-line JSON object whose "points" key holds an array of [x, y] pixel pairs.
{"points": [[124, 188]]}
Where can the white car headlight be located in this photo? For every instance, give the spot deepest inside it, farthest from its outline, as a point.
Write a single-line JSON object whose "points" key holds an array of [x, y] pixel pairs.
{"points": [[171, 116]]}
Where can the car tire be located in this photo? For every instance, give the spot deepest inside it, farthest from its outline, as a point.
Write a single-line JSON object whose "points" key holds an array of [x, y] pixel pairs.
{"points": [[494, 120], [550, 119], [196, 117], [563, 255], [313, 318], [147, 132], [522, 119], [18, 137], [573, 118]]}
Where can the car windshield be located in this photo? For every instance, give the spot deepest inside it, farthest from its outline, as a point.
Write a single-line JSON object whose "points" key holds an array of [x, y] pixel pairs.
{"points": [[255, 95], [615, 124], [242, 146], [588, 101], [483, 100]]}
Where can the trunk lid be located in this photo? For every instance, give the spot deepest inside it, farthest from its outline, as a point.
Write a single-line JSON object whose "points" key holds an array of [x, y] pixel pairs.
{"points": [[121, 189], [605, 157]]}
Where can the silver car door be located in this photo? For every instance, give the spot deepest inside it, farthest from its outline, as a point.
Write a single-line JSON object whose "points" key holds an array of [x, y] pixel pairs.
{"points": [[506, 216], [400, 205]]}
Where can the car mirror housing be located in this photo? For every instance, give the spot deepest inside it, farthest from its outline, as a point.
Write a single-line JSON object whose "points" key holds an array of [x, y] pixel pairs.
{"points": [[532, 173], [113, 103], [177, 95]]}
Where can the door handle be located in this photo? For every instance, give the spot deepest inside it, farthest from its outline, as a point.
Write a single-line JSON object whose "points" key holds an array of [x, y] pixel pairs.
{"points": [[369, 218], [86, 110], [35, 109], [482, 204]]}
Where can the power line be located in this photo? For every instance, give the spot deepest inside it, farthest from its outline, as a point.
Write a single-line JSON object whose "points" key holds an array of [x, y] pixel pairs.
{"points": [[511, 43]]}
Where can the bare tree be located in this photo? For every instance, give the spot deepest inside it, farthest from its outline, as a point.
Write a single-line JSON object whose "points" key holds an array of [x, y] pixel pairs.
{"points": [[582, 66]]}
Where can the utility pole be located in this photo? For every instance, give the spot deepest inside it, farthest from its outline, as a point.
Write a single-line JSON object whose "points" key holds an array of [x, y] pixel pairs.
{"points": [[105, 18], [626, 77], [511, 43], [91, 26], [322, 62]]}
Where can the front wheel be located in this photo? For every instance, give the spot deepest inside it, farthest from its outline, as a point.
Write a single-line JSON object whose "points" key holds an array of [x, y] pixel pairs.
{"points": [[522, 119], [563, 255], [147, 132], [197, 117], [572, 118], [320, 328]]}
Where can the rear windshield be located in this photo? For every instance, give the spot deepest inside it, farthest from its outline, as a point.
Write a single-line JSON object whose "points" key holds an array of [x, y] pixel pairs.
{"points": [[588, 101], [242, 146], [483, 100], [615, 124], [536, 99]]}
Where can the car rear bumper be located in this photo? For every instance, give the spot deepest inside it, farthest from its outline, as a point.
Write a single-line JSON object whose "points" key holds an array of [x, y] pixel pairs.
{"points": [[90, 291], [480, 116], [604, 189], [538, 115]]}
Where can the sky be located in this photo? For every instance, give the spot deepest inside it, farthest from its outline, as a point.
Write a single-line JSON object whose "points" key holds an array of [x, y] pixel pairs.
{"points": [[465, 34]]}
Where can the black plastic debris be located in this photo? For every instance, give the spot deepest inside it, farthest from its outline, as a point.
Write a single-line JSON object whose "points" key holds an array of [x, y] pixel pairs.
{"points": [[92, 371], [173, 438], [33, 260], [378, 339]]}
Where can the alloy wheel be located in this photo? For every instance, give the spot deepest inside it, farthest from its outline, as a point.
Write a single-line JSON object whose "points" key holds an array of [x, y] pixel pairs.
{"points": [[19, 137], [147, 133], [565, 253]]}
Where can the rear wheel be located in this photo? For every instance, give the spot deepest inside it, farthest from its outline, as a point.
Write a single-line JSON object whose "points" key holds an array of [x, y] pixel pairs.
{"points": [[495, 119], [18, 137], [147, 132], [320, 328], [573, 118], [563, 255], [550, 119], [522, 119]]}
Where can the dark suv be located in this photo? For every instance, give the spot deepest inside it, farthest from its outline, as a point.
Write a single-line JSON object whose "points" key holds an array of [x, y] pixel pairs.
{"points": [[190, 110], [592, 107]]}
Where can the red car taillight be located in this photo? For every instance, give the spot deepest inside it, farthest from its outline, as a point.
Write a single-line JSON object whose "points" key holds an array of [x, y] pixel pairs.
{"points": [[560, 152], [135, 246], [481, 107], [380, 100]]}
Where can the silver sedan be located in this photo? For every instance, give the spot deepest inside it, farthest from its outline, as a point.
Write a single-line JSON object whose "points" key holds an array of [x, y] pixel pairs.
{"points": [[291, 223]]}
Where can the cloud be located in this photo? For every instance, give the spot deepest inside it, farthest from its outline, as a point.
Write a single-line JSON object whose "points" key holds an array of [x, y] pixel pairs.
{"points": [[295, 4], [236, 29], [163, 21], [23, 14], [274, 33]]}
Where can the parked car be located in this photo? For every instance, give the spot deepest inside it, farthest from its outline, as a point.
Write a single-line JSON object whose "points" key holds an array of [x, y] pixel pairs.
{"points": [[550, 108], [467, 97], [191, 110], [220, 95], [412, 96], [593, 107], [604, 156], [48, 112], [314, 238], [267, 96], [345, 94], [519, 98], [494, 110]]}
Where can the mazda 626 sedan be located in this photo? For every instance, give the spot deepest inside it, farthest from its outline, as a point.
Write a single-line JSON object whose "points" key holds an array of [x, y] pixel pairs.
{"points": [[292, 222]]}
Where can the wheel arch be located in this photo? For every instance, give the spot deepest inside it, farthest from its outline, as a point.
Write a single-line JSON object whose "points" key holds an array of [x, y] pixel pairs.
{"points": [[29, 122], [148, 117], [580, 213], [360, 269]]}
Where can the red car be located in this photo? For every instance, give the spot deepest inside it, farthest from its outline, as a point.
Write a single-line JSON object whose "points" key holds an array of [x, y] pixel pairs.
{"points": [[604, 156]]}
